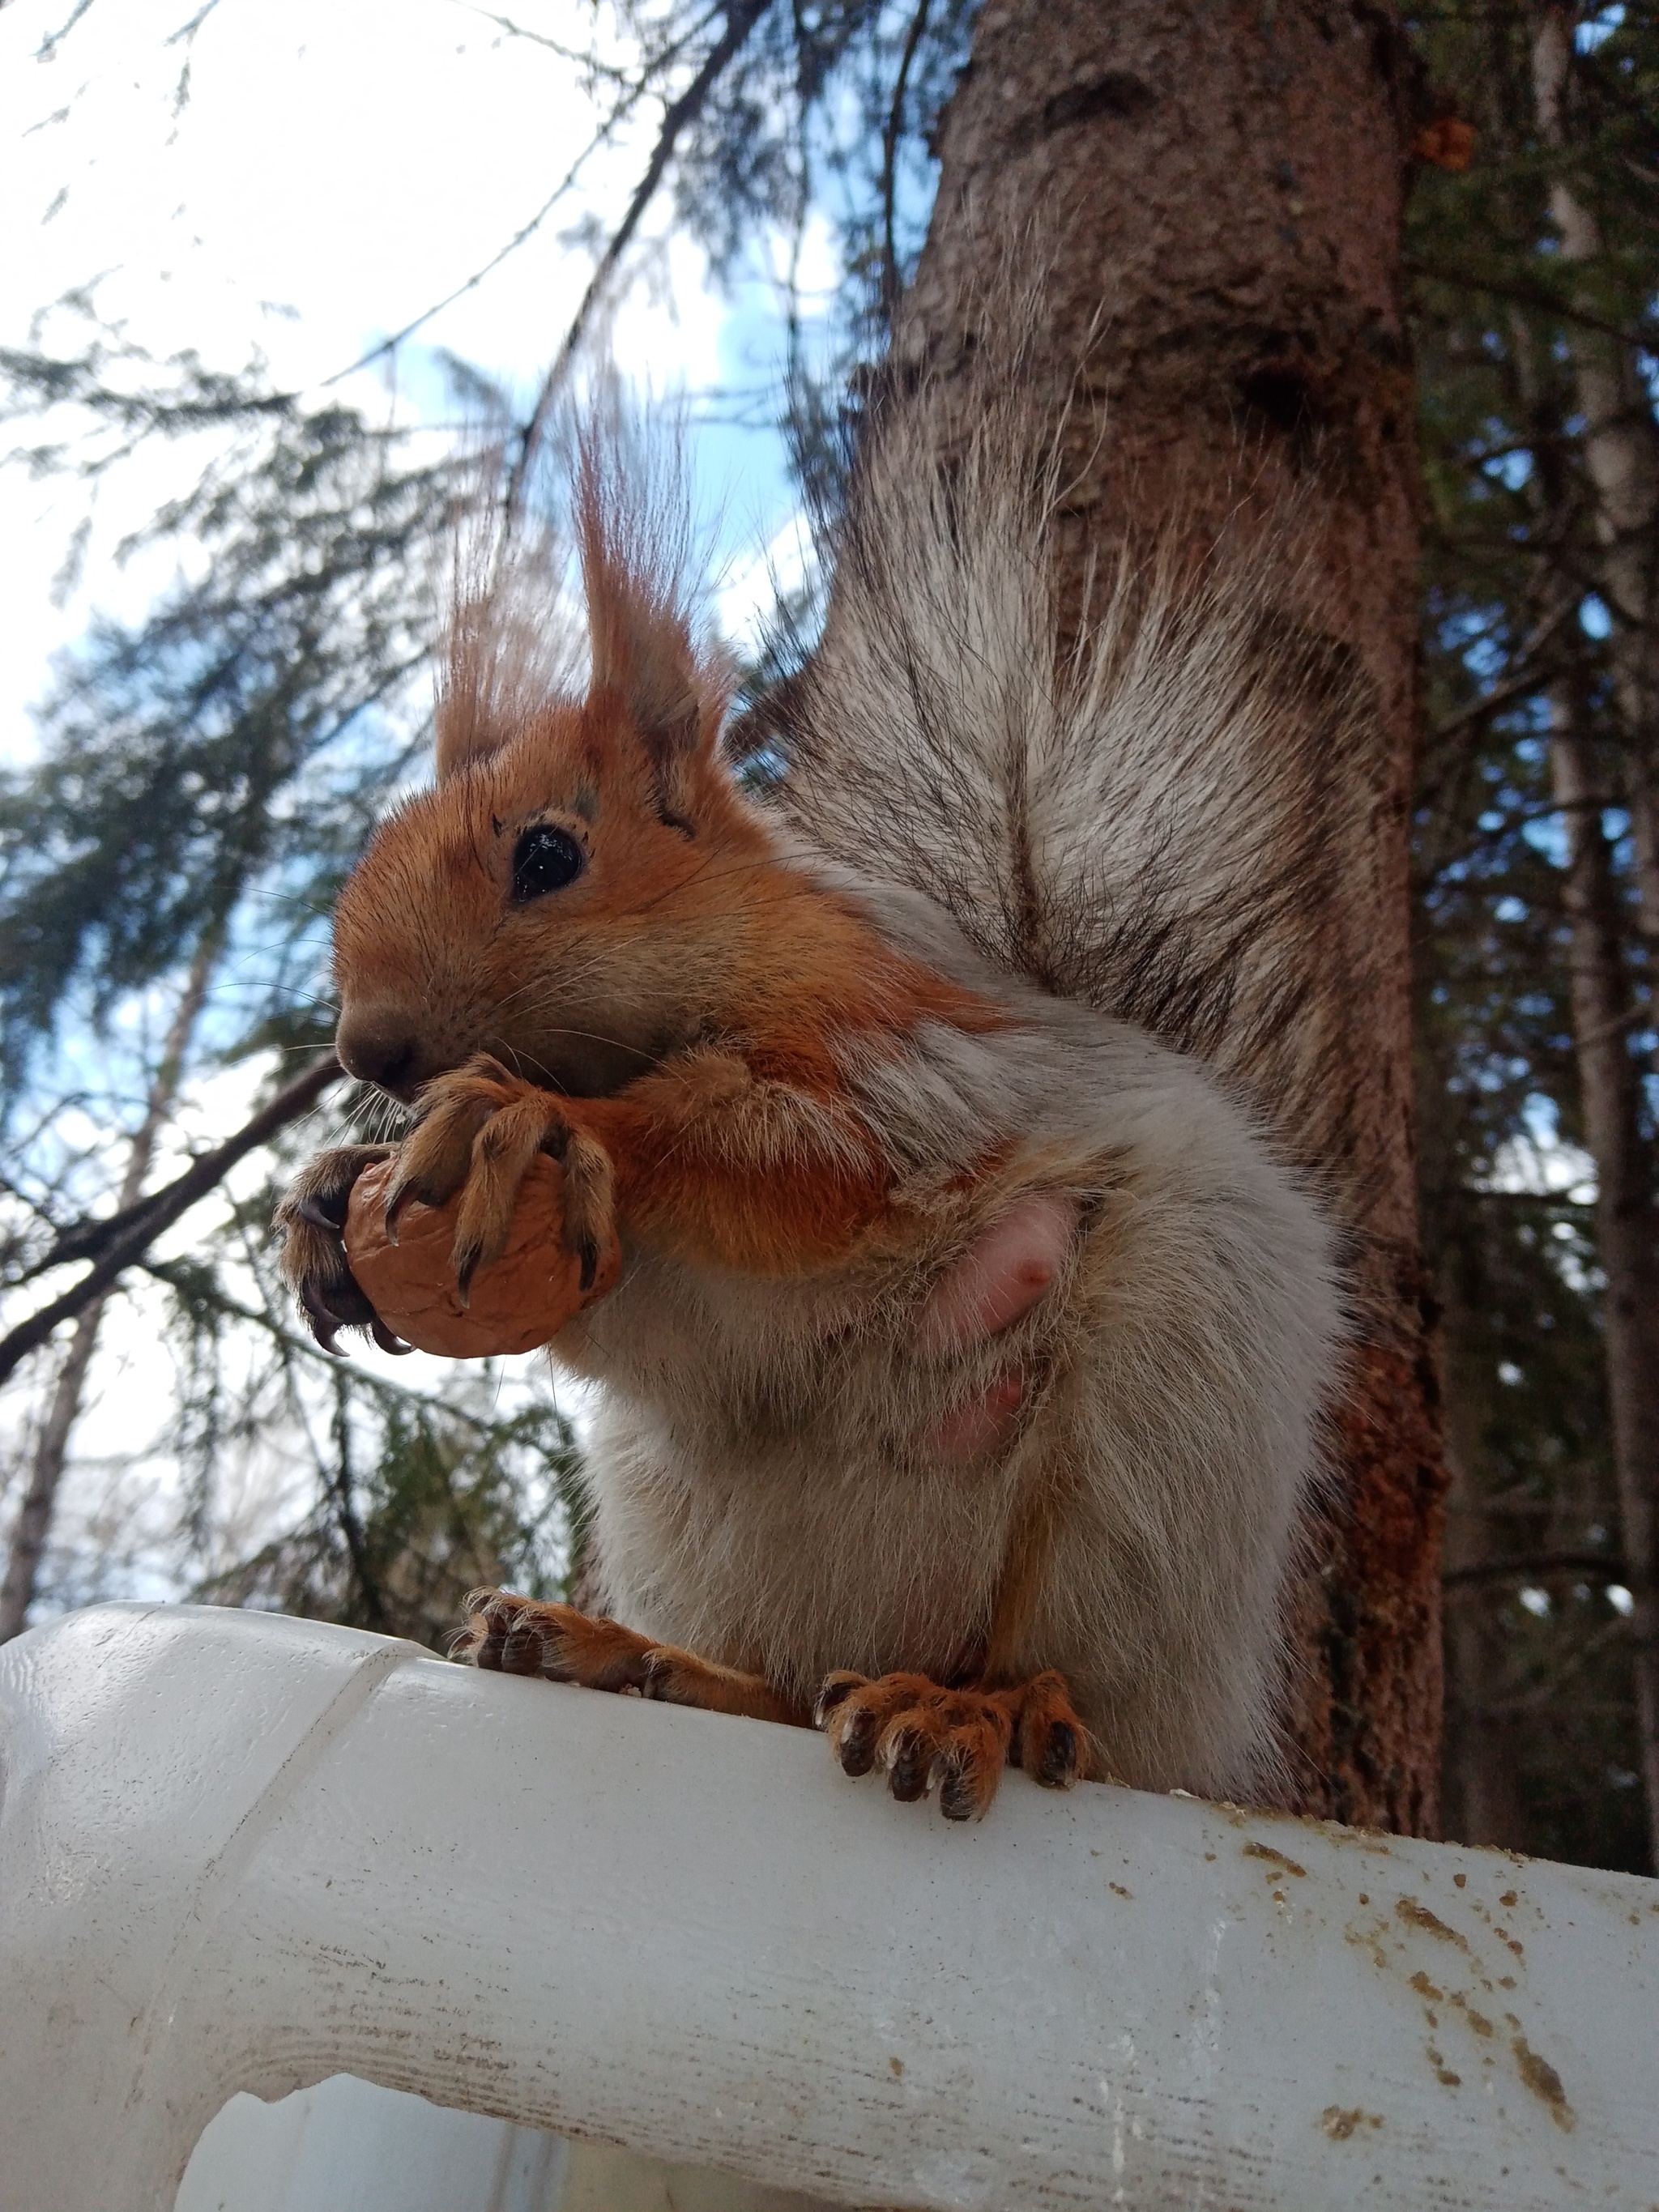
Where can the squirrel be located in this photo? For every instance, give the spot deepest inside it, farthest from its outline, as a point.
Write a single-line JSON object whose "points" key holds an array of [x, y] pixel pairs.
{"points": [[964, 1104]]}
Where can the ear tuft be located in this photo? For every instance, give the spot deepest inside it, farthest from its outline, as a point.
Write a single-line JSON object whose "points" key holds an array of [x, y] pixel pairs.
{"points": [[466, 716], [511, 650], [634, 535]]}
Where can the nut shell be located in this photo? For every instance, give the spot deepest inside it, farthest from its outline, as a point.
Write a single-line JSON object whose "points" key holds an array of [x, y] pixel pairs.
{"points": [[516, 1302]]}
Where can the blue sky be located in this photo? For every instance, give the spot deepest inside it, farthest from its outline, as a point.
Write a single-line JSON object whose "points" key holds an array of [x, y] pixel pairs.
{"points": [[325, 182]]}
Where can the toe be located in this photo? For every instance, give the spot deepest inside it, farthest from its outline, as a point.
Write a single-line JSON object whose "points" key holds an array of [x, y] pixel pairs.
{"points": [[852, 1730], [1053, 1745], [966, 1785], [837, 1689], [1055, 1765], [523, 1651], [479, 1643], [908, 1750]]}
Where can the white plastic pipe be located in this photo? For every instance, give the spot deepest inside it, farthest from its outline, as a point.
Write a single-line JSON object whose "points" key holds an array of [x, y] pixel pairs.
{"points": [[240, 1852], [347, 2146]]}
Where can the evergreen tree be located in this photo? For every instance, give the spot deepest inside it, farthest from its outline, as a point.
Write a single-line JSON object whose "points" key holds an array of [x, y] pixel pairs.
{"points": [[1535, 261]]}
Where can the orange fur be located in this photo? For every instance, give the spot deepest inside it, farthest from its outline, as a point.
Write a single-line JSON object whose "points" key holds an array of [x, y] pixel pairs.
{"points": [[787, 968], [509, 1635], [923, 1735], [706, 1104], [736, 1062]]}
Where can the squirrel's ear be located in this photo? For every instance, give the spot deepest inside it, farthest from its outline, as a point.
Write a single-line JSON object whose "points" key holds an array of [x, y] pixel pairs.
{"points": [[674, 698]]}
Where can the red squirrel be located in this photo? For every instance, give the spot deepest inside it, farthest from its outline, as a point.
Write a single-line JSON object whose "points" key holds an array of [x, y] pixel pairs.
{"points": [[964, 1378]]}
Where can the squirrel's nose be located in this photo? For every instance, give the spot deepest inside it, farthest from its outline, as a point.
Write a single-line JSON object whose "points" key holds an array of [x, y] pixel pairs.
{"points": [[377, 1045]]}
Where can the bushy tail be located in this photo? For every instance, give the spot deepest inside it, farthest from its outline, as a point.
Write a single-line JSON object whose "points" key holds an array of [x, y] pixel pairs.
{"points": [[1170, 818]]}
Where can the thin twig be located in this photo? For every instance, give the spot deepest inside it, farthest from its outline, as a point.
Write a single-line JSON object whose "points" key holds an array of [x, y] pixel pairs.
{"points": [[1524, 678], [1595, 1564], [740, 21], [132, 1235], [1531, 1701], [1524, 296], [527, 231], [589, 61], [90, 1240], [306, 1348], [889, 139], [1530, 1198], [47, 48]]}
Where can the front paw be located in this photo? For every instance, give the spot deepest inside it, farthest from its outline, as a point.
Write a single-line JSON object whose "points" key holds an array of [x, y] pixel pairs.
{"points": [[478, 1130], [923, 1736], [310, 1220]]}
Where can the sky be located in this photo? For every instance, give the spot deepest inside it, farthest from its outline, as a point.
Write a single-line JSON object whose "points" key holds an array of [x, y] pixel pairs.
{"points": [[337, 167]]}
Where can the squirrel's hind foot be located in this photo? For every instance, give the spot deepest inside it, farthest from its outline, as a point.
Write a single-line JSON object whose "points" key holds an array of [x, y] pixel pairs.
{"points": [[924, 1736]]}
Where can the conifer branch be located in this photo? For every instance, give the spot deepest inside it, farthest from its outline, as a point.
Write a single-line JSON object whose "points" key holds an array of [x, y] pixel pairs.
{"points": [[678, 117]]}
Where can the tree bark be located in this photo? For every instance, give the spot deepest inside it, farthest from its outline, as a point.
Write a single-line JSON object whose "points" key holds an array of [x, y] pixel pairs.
{"points": [[1602, 1013], [1211, 195], [50, 1454]]}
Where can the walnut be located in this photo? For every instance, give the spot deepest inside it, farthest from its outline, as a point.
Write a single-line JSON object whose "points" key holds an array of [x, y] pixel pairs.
{"points": [[516, 1302]]}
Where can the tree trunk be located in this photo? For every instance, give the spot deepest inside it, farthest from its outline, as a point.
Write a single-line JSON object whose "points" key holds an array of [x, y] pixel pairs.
{"points": [[1602, 1013], [1482, 1803], [1210, 197], [50, 1454], [1620, 443]]}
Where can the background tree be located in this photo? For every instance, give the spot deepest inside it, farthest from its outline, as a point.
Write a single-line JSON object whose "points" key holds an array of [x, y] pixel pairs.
{"points": [[1535, 281]]}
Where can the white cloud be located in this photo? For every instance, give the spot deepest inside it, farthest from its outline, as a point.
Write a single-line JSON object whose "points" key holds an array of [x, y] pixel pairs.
{"points": [[751, 587]]}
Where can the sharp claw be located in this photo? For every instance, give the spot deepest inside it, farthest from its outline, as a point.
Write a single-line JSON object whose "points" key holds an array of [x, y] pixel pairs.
{"points": [[388, 1342], [403, 1195], [957, 1795], [1057, 1767], [589, 1252], [857, 1747], [311, 1210], [521, 1649], [909, 1768], [466, 1269], [325, 1325]]}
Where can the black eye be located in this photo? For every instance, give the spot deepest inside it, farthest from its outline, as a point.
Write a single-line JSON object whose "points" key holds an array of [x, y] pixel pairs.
{"points": [[545, 859]]}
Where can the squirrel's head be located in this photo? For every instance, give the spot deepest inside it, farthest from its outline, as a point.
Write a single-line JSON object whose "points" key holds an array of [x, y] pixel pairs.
{"points": [[573, 893]]}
